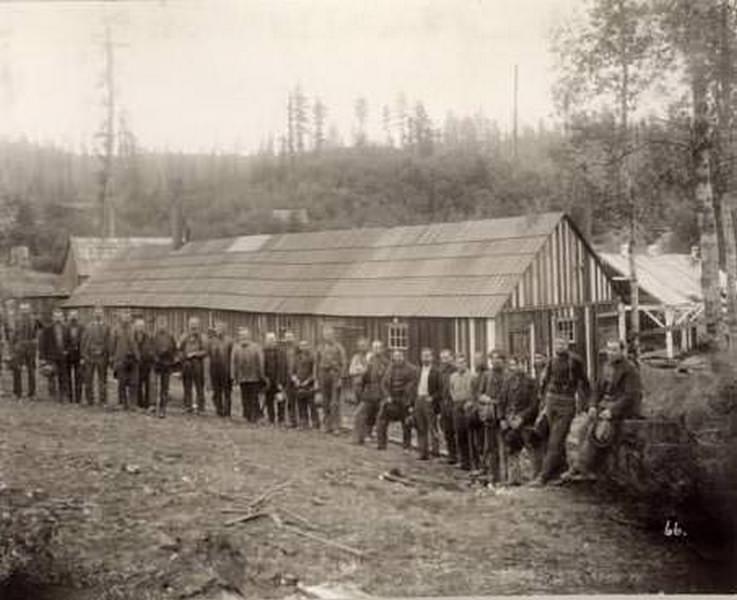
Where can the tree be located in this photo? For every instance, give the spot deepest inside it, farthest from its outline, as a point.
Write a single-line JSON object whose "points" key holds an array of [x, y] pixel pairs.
{"points": [[386, 126], [360, 109], [319, 114], [106, 135], [300, 119], [610, 60]]}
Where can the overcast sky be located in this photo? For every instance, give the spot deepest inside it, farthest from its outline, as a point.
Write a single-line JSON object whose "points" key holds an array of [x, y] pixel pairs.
{"points": [[197, 75]]}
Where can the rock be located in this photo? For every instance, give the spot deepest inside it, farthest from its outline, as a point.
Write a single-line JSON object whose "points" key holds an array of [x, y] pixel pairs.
{"points": [[130, 468]]}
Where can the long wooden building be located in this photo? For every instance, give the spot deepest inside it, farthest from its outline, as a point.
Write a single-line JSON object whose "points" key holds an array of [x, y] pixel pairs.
{"points": [[511, 283]]}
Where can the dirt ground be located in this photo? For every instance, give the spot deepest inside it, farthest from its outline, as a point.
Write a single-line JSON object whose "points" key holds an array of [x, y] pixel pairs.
{"points": [[146, 505]]}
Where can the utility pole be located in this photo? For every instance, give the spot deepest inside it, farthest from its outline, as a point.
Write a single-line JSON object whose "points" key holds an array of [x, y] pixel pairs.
{"points": [[516, 93]]}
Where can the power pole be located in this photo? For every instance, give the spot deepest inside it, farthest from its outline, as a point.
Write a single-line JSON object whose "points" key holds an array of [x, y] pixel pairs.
{"points": [[516, 94]]}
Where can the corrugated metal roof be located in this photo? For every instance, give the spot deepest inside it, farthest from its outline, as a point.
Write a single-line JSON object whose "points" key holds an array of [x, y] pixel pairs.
{"points": [[669, 279], [465, 269], [90, 252]]}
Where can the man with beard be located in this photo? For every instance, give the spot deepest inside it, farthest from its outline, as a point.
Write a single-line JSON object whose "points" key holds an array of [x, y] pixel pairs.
{"points": [[193, 349], [74, 357], [219, 348], [275, 372], [399, 387], [54, 351], [330, 368], [95, 352], [429, 390], [247, 370], [461, 394], [290, 349], [490, 411], [125, 355], [618, 394], [304, 387], [371, 394], [21, 334], [165, 357], [445, 408], [565, 376], [519, 401]]}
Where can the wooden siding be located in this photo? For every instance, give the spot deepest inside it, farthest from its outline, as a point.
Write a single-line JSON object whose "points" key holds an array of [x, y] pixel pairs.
{"points": [[564, 273]]}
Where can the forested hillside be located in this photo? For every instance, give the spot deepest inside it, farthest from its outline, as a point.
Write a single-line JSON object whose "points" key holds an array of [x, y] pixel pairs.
{"points": [[465, 169]]}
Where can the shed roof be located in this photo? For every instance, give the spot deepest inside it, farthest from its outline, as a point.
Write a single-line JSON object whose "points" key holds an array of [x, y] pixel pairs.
{"points": [[18, 282], [466, 269], [90, 252], [668, 279]]}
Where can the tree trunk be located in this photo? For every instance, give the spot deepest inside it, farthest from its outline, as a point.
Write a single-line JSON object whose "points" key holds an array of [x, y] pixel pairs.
{"points": [[704, 197], [730, 254]]}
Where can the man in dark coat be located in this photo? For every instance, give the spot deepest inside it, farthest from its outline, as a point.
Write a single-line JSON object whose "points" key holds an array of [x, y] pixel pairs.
{"points": [[289, 345], [617, 397], [193, 349], [399, 387], [74, 356], [304, 387], [54, 350], [247, 370], [275, 372], [371, 393], [219, 348], [519, 409], [21, 333], [429, 391], [95, 351], [445, 405], [564, 378], [475, 427], [331, 366], [145, 363], [490, 398], [125, 355], [165, 357]]}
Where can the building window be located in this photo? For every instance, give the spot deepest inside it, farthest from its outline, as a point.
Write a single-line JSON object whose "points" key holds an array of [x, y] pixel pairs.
{"points": [[566, 328], [398, 336]]}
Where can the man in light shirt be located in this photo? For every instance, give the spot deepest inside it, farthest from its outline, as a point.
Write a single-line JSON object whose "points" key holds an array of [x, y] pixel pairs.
{"points": [[427, 405], [461, 393]]}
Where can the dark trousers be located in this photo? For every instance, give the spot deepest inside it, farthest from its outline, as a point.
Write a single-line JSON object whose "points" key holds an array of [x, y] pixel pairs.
{"points": [[390, 411], [461, 423], [163, 372], [489, 442], [476, 439], [307, 413], [270, 405], [193, 375], [365, 418], [74, 373], [25, 357], [449, 430], [127, 373], [427, 427], [143, 395], [560, 413], [330, 389], [59, 381], [95, 366], [221, 386], [292, 405], [249, 400]]}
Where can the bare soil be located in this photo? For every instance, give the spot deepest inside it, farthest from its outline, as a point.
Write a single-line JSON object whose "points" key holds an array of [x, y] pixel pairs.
{"points": [[143, 506]]}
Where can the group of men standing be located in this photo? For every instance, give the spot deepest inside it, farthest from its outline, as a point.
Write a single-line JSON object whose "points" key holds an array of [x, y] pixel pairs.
{"points": [[488, 415]]}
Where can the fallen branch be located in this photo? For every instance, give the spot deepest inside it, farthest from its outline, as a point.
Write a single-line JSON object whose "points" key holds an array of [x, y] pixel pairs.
{"points": [[389, 477], [246, 518], [313, 536], [269, 492]]}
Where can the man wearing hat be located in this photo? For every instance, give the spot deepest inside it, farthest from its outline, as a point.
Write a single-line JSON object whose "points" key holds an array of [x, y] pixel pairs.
{"points": [[193, 348], [247, 371], [74, 356], [617, 397], [95, 354], [22, 341]]}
